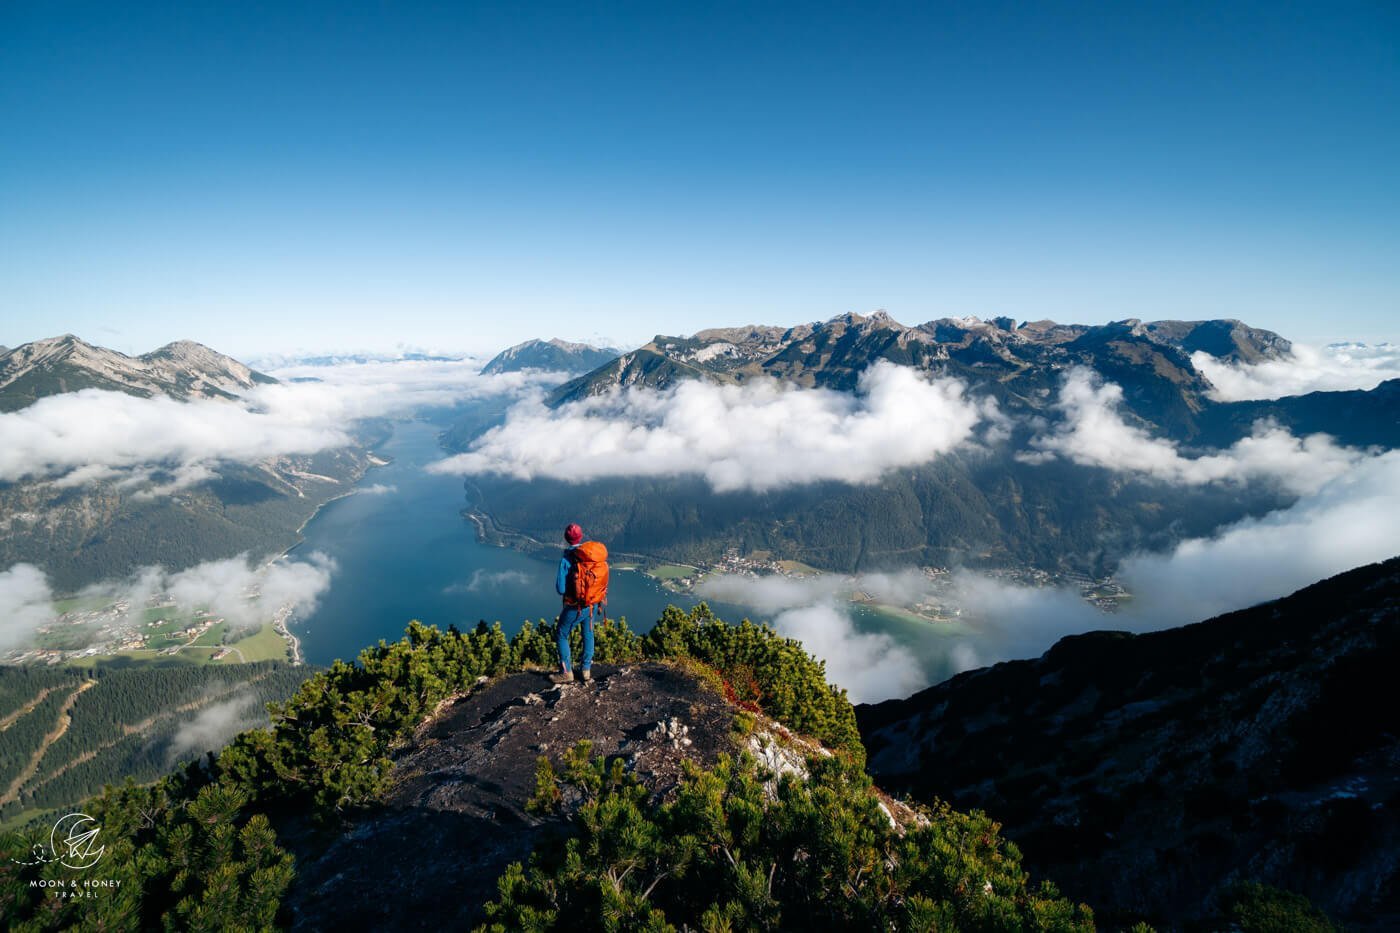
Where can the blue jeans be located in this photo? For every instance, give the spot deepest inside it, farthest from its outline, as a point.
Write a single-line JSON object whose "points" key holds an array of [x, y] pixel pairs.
{"points": [[567, 620]]}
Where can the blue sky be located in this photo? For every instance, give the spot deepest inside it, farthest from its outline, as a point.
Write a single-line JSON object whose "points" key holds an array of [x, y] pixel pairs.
{"points": [[278, 176]]}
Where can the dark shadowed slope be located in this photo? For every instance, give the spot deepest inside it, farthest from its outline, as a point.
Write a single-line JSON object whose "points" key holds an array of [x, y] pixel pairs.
{"points": [[1150, 771]]}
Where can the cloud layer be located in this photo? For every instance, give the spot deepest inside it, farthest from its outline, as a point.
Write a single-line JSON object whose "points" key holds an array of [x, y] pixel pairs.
{"points": [[482, 579], [236, 589], [757, 436], [1094, 433], [1347, 522], [1331, 369], [26, 602], [163, 445]]}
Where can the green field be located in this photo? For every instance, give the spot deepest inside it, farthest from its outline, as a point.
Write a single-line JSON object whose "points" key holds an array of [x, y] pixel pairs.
{"points": [[261, 644], [264, 644], [65, 638], [672, 571], [214, 636]]}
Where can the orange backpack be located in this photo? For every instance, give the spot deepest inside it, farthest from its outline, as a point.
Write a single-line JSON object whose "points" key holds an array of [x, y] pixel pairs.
{"points": [[588, 575]]}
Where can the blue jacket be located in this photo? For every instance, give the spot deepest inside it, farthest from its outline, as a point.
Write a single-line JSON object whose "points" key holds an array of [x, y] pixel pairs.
{"points": [[561, 582]]}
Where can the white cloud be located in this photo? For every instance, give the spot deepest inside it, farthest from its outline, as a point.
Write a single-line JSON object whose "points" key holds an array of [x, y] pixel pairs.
{"points": [[1094, 433], [377, 489], [95, 433], [870, 666], [91, 435], [1307, 369], [242, 593], [182, 477], [488, 579], [757, 436], [1348, 522], [214, 726], [26, 602]]}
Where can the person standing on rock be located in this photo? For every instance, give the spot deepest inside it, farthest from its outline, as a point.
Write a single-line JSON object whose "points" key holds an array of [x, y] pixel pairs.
{"points": [[583, 583]]}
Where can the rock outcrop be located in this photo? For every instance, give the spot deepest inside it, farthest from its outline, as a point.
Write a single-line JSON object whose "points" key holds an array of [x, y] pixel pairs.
{"points": [[428, 857]]}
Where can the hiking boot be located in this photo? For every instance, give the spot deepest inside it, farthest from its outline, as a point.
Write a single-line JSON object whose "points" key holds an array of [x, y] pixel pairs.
{"points": [[587, 675], [562, 677]]}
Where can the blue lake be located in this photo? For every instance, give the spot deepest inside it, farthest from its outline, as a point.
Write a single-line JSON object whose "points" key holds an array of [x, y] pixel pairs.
{"points": [[403, 551]]}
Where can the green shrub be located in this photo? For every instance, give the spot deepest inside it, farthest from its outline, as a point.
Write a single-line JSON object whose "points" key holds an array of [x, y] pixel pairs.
{"points": [[761, 667], [1258, 908], [726, 854], [196, 849], [187, 854]]}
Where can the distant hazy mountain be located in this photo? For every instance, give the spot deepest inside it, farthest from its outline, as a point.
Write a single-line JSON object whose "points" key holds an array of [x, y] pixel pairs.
{"points": [[183, 369], [556, 355], [279, 360], [1150, 772]]}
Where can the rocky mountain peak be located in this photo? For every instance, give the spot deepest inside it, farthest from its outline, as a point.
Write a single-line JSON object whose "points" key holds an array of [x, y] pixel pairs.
{"points": [[460, 789]]}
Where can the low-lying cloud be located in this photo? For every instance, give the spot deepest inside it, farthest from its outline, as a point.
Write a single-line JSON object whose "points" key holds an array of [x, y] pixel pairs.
{"points": [[1093, 432], [870, 666], [1306, 369], [214, 726], [1348, 522], [377, 489], [758, 436], [26, 602], [165, 445], [237, 590], [489, 580]]}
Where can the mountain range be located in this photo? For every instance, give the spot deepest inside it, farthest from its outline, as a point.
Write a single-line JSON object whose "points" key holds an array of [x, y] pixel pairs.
{"points": [[1013, 363], [1149, 776], [966, 506]]}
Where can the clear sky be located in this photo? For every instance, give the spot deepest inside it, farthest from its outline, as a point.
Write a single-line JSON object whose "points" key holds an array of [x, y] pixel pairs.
{"points": [[273, 176]]}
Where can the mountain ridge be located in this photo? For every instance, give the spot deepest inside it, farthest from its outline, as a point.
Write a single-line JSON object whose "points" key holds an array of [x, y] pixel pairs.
{"points": [[182, 369], [1010, 360]]}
